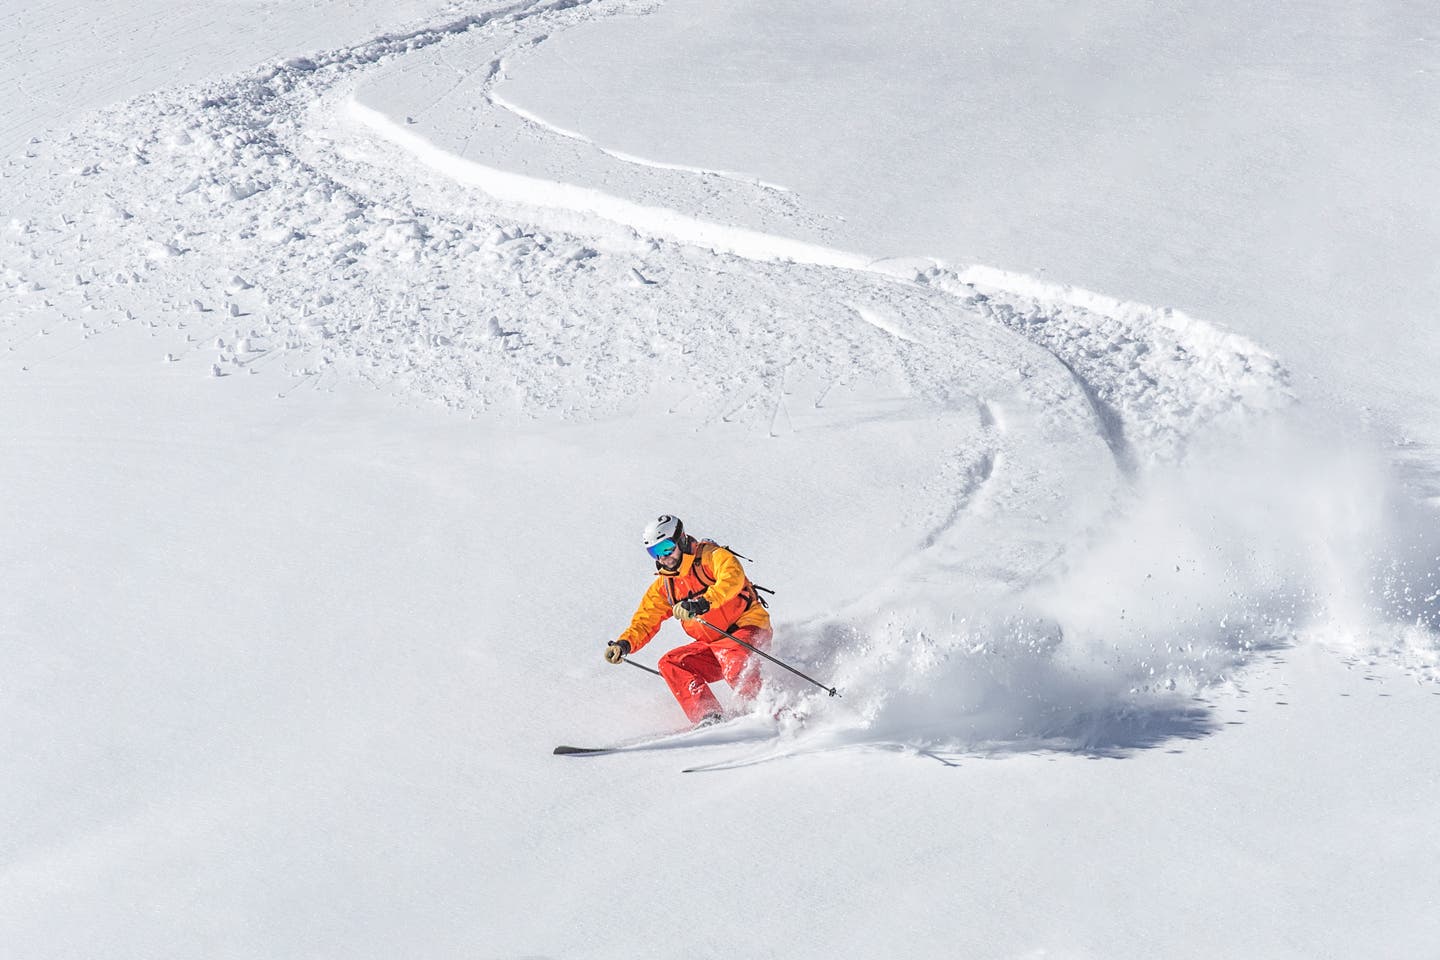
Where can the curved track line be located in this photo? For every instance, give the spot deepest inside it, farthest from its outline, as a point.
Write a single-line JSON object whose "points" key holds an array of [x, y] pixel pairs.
{"points": [[539, 122], [1120, 396]]}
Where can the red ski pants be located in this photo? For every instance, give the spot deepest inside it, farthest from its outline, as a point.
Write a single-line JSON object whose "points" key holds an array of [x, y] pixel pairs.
{"points": [[692, 668]]}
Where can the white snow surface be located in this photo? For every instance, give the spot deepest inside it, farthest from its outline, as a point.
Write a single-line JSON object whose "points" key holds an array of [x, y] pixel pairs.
{"points": [[335, 392], [1270, 168]]}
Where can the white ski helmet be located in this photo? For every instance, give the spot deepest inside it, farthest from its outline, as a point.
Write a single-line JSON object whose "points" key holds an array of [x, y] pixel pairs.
{"points": [[662, 528]]}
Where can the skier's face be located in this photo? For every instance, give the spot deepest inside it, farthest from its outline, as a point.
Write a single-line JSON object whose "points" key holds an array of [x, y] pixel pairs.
{"points": [[671, 562]]}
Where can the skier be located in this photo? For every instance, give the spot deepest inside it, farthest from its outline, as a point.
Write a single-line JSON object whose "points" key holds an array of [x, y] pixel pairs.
{"points": [[703, 585]]}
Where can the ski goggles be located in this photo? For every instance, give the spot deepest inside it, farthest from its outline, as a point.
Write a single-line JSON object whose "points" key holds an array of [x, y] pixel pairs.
{"points": [[663, 549]]}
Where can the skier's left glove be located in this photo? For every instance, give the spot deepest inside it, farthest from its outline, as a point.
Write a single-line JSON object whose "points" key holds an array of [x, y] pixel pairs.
{"points": [[692, 608], [616, 650]]}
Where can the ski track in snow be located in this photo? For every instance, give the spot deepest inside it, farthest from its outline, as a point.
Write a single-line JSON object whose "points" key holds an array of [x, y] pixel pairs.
{"points": [[282, 242], [545, 125], [244, 164]]}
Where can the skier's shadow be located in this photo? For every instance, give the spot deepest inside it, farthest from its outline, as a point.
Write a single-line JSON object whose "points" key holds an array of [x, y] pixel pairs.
{"points": [[1115, 736]]}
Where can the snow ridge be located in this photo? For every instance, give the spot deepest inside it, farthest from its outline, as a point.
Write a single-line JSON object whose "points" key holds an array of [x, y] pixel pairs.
{"points": [[655, 221]]}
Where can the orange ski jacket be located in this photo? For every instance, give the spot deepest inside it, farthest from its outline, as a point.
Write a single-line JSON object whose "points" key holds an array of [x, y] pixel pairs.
{"points": [[712, 571]]}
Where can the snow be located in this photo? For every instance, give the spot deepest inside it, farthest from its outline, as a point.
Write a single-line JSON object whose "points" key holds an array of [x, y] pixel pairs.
{"points": [[335, 389], [64, 60], [1267, 169]]}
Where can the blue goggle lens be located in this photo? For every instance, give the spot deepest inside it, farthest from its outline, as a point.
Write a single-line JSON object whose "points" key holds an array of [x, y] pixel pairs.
{"points": [[663, 549]]}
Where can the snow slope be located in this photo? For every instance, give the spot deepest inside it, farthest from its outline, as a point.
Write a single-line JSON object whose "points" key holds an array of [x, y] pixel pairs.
{"points": [[1267, 168], [63, 60], [327, 440]]}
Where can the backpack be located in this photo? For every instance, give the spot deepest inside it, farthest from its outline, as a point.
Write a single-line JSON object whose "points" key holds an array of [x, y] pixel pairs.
{"points": [[699, 569]]}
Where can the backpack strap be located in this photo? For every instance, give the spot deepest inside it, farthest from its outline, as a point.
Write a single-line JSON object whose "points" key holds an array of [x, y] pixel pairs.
{"points": [[702, 547], [749, 592]]}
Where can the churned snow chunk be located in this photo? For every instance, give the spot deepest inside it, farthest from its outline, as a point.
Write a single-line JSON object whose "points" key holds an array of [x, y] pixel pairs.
{"points": [[278, 235], [235, 192], [400, 234], [155, 250]]}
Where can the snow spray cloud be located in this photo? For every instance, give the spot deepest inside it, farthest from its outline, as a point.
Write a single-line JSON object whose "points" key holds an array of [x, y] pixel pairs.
{"points": [[1283, 531], [1276, 533]]}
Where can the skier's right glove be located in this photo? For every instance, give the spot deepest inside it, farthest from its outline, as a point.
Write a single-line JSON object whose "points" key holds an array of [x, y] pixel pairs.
{"points": [[617, 650]]}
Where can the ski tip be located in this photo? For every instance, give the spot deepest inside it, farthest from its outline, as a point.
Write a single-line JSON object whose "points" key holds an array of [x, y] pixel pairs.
{"points": [[562, 751]]}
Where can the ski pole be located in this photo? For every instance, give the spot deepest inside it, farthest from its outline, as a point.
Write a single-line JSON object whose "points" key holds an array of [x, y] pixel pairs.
{"points": [[751, 646], [642, 667]]}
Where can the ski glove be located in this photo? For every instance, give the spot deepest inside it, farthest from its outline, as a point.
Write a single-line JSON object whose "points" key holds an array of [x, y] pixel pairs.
{"points": [[617, 650], [692, 608]]}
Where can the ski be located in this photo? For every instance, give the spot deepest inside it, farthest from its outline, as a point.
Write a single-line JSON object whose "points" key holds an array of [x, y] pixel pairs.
{"points": [[738, 730], [640, 743]]}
